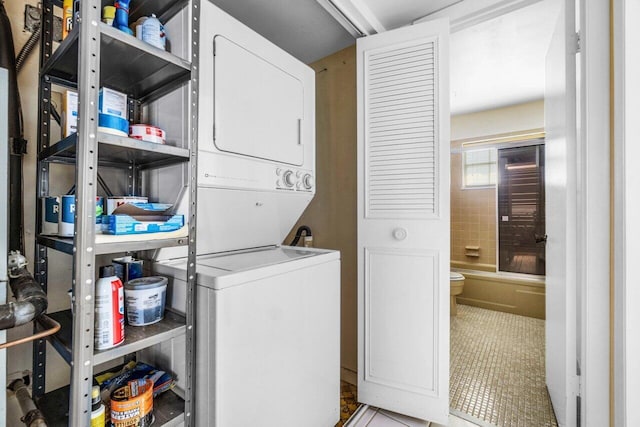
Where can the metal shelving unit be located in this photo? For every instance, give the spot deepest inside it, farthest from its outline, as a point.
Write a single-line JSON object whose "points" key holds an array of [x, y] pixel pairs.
{"points": [[92, 56]]}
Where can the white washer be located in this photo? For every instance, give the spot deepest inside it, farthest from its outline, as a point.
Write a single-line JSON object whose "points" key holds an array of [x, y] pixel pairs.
{"points": [[268, 336]]}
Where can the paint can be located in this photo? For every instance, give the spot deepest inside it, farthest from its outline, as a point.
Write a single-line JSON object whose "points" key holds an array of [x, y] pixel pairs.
{"points": [[127, 268], [66, 216], [145, 299], [132, 404], [50, 215]]}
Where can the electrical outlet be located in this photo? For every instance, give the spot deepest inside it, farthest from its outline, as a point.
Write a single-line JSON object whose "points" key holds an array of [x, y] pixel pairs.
{"points": [[32, 17]]}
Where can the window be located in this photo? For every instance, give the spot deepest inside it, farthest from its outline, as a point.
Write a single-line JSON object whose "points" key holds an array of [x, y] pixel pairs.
{"points": [[479, 168]]}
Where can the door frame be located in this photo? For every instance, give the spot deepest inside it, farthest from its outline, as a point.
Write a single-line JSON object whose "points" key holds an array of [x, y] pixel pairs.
{"points": [[627, 201], [593, 210]]}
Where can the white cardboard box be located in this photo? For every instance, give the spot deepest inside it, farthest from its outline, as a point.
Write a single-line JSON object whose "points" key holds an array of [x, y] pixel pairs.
{"points": [[69, 113]]}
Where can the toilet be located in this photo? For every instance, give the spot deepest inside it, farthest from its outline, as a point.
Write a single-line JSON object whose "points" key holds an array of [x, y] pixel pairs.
{"points": [[456, 281]]}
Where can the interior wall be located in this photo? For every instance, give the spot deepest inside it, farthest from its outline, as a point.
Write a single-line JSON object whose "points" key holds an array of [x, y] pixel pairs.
{"points": [[529, 115], [19, 357], [474, 211], [332, 213]]}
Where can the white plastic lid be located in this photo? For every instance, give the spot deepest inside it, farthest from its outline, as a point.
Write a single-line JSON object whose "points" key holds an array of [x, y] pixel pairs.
{"points": [[142, 283]]}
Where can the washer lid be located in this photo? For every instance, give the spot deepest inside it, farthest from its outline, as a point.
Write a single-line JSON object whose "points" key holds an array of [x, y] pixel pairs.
{"points": [[455, 276], [222, 271], [255, 259]]}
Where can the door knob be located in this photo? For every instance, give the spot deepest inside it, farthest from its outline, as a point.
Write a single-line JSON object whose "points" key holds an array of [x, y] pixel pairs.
{"points": [[400, 233], [540, 238]]}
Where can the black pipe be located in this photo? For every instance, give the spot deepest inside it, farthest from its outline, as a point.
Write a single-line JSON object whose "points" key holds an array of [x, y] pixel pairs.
{"points": [[301, 229], [26, 50], [18, 145], [31, 300]]}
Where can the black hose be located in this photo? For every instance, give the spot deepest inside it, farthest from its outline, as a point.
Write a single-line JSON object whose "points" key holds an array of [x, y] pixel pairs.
{"points": [[31, 300], [26, 50], [301, 229]]}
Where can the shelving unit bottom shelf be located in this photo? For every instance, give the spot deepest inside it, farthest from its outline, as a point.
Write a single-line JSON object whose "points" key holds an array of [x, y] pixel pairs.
{"points": [[168, 408], [136, 337]]}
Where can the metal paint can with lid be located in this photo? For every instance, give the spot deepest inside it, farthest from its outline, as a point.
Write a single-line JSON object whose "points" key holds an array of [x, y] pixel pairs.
{"points": [[66, 216], [50, 215]]}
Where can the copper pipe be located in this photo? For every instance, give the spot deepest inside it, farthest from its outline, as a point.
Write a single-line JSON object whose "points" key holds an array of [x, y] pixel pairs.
{"points": [[44, 321]]}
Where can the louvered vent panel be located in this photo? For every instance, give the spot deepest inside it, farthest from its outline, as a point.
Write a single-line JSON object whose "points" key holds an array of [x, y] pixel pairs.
{"points": [[401, 131]]}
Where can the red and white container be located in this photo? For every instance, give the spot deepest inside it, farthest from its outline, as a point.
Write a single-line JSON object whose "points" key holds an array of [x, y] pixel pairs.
{"points": [[109, 310], [148, 133]]}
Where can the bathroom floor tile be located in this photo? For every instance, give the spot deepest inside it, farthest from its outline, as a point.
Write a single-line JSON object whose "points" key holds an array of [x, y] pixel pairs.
{"points": [[497, 370], [348, 402]]}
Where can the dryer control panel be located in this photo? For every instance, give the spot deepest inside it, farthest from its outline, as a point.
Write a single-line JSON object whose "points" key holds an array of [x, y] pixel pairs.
{"points": [[294, 180]]}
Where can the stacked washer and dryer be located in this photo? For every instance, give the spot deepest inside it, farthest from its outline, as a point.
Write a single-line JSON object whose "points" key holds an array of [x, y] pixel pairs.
{"points": [[268, 327]]}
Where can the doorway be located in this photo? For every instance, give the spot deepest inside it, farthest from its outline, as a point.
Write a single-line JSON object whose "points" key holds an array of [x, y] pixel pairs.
{"points": [[521, 210], [497, 369]]}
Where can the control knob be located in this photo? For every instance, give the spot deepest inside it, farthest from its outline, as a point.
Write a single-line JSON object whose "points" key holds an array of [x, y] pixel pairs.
{"points": [[307, 181], [288, 179]]}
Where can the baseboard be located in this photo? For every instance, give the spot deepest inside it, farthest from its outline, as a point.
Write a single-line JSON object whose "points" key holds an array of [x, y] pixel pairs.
{"points": [[470, 418], [349, 376]]}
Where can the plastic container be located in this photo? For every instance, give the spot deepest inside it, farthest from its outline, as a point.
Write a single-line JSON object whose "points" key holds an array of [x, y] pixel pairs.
{"points": [[97, 408], [109, 310], [137, 27], [121, 19], [108, 14], [145, 299], [153, 33]]}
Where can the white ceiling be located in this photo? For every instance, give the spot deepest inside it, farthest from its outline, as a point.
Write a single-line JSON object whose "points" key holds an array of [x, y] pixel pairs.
{"points": [[301, 27], [493, 64], [501, 62], [398, 13]]}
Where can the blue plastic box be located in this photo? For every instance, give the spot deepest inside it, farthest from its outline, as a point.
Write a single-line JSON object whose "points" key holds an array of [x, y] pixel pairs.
{"points": [[141, 218], [125, 224]]}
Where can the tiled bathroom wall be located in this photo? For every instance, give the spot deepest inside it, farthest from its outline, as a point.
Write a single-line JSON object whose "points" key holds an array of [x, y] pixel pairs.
{"points": [[473, 221]]}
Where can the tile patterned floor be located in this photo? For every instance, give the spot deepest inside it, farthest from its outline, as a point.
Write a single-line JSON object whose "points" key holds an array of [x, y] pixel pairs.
{"points": [[497, 368], [348, 402]]}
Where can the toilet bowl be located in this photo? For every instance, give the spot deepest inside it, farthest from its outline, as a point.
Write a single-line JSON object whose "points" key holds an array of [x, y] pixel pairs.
{"points": [[456, 281]]}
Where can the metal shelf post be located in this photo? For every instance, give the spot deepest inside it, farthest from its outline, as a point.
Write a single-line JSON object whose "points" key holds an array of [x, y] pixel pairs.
{"points": [[190, 370], [84, 239], [42, 186]]}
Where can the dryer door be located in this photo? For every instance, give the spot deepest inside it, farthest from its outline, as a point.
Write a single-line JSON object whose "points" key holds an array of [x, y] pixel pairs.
{"points": [[258, 106]]}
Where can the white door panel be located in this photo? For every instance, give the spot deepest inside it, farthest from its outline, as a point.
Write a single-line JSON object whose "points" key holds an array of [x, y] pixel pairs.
{"points": [[386, 311], [403, 221], [560, 188]]}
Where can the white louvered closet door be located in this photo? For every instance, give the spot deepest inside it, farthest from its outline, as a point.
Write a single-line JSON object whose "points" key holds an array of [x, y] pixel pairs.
{"points": [[403, 221]]}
